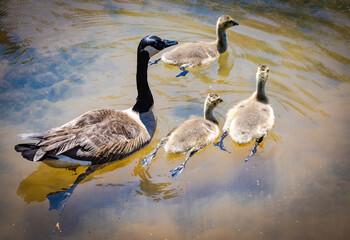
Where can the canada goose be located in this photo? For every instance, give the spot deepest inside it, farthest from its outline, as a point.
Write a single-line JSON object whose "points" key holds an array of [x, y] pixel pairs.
{"points": [[252, 118], [191, 136], [104, 135], [195, 54]]}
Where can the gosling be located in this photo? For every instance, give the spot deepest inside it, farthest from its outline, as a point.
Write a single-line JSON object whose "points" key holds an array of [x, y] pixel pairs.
{"points": [[252, 118], [191, 136], [202, 53]]}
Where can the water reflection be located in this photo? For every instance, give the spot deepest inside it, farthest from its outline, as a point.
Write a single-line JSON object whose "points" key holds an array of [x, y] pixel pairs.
{"points": [[59, 60], [46, 180], [226, 63], [58, 184], [149, 186]]}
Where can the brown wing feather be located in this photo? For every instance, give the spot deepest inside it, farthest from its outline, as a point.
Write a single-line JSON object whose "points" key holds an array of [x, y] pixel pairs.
{"points": [[97, 136]]}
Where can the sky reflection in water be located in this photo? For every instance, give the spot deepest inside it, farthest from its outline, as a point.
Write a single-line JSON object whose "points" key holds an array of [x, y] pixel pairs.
{"points": [[59, 60]]}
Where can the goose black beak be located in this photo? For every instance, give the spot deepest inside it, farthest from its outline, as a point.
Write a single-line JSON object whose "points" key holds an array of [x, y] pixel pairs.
{"points": [[169, 43], [235, 23]]}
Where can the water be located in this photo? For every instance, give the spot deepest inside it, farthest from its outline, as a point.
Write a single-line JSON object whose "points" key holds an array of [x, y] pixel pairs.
{"points": [[61, 59]]}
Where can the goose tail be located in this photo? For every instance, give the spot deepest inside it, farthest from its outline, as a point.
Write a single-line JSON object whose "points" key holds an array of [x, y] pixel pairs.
{"points": [[31, 136], [27, 150]]}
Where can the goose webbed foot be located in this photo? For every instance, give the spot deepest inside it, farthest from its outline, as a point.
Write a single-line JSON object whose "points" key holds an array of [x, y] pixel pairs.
{"points": [[175, 173], [254, 149], [220, 144], [148, 159], [150, 63], [59, 199], [252, 152], [183, 73]]}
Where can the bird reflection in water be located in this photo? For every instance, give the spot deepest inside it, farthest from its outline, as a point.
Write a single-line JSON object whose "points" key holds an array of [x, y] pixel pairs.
{"points": [[57, 183], [150, 188]]}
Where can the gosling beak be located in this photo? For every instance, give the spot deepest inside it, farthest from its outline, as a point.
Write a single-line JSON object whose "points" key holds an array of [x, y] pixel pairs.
{"points": [[235, 23], [169, 43], [220, 100]]}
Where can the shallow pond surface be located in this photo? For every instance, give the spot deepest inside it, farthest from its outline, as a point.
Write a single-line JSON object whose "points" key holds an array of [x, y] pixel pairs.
{"points": [[60, 59]]}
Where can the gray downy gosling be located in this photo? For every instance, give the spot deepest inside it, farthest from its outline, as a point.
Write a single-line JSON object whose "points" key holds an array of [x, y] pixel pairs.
{"points": [[191, 136], [99, 136], [201, 53], [252, 118]]}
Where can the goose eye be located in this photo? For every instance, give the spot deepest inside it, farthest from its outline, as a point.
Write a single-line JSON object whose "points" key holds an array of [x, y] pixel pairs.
{"points": [[158, 45]]}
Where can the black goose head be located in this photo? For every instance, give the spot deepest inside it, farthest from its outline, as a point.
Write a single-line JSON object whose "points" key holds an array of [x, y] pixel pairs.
{"points": [[153, 44]]}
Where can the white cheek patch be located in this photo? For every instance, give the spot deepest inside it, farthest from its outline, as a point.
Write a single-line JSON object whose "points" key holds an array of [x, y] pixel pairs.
{"points": [[151, 50]]}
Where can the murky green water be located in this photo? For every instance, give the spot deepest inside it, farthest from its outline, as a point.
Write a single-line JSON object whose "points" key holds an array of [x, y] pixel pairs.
{"points": [[60, 59]]}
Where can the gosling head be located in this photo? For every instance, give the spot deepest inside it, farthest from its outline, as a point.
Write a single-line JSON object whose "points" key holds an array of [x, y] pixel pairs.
{"points": [[263, 73], [212, 101], [225, 22], [153, 44]]}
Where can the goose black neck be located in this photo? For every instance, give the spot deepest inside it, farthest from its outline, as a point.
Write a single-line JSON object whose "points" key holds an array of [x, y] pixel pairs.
{"points": [[208, 115], [261, 94], [144, 99], [221, 39]]}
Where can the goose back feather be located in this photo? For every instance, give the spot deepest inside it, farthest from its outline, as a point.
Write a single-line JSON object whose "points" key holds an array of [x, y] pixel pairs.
{"points": [[98, 136]]}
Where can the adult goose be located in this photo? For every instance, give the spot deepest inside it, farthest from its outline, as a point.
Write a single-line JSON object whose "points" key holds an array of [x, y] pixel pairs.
{"points": [[252, 118], [201, 53], [104, 135], [191, 136]]}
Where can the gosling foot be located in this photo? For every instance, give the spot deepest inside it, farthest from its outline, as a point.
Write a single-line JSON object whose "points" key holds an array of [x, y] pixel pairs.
{"points": [[183, 73], [220, 144], [175, 173], [148, 159], [150, 63], [254, 149]]}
